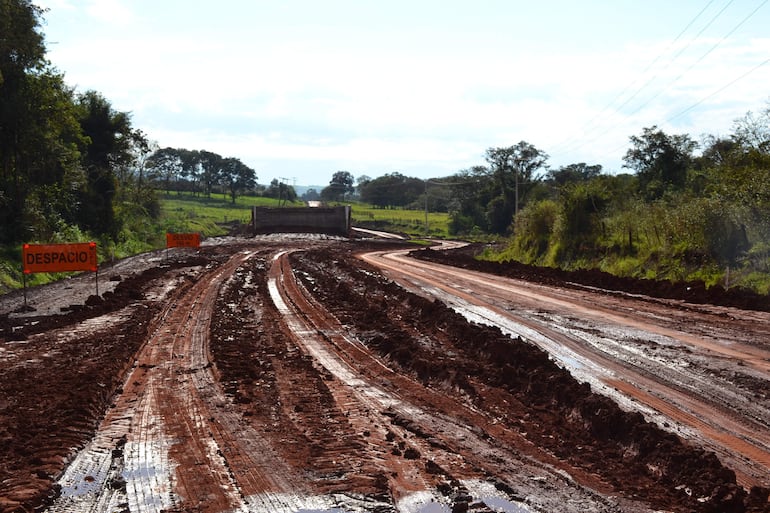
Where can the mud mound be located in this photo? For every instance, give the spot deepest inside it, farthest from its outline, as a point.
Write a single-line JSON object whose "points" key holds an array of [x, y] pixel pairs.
{"points": [[690, 291], [517, 381]]}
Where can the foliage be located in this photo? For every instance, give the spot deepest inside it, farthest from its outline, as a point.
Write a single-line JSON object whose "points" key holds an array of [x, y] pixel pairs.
{"points": [[202, 172], [488, 197], [340, 186], [661, 161], [280, 191], [679, 217]]}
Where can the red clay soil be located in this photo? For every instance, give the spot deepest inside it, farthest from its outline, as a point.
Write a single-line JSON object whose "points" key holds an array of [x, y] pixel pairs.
{"points": [[52, 400], [51, 405], [632, 455]]}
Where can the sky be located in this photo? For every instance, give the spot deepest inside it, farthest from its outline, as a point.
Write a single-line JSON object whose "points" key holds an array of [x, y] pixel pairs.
{"points": [[300, 89]]}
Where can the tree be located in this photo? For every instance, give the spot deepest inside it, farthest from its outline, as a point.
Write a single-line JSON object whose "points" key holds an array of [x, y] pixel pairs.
{"points": [[211, 166], [281, 191], [311, 195], [110, 138], [573, 173], [361, 181], [753, 131], [167, 166], [472, 190], [392, 190], [513, 169], [340, 185], [661, 161], [39, 134], [237, 176]]}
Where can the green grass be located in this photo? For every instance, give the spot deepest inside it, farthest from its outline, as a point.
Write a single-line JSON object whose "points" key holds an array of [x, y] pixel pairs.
{"points": [[188, 213], [411, 222]]}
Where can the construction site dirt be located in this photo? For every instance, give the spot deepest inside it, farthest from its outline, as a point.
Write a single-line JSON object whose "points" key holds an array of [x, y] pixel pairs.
{"points": [[301, 373]]}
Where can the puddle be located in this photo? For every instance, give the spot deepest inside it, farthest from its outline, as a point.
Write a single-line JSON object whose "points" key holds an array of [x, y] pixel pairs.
{"points": [[503, 505], [335, 510], [433, 507]]}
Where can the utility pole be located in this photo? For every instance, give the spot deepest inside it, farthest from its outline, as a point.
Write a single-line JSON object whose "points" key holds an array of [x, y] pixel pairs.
{"points": [[426, 207], [283, 184]]}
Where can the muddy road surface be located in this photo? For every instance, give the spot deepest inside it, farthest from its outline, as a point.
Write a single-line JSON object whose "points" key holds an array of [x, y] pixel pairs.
{"points": [[310, 374]]}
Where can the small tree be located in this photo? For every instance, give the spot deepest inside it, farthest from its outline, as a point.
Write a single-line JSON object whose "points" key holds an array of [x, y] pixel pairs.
{"points": [[660, 160]]}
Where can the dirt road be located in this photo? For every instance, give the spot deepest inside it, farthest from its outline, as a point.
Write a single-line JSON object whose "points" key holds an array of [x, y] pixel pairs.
{"points": [[679, 363], [285, 374]]}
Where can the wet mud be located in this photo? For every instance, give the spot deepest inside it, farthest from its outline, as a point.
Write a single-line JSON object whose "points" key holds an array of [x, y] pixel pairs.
{"points": [[518, 382]]}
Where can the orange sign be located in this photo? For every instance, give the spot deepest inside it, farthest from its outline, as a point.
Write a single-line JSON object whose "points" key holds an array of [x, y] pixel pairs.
{"points": [[183, 240], [48, 258]]}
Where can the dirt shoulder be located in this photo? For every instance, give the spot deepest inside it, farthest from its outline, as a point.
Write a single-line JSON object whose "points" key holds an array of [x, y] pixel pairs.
{"points": [[689, 291]]}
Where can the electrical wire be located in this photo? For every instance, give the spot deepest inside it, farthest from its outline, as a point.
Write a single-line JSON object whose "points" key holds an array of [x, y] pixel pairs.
{"points": [[592, 122], [675, 80]]}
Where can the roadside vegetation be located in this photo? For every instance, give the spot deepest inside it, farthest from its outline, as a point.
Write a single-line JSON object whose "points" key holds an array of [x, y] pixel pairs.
{"points": [[679, 216], [73, 169]]}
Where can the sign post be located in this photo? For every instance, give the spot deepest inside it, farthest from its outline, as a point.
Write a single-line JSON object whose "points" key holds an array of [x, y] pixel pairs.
{"points": [[54, 258], [182, 240]]}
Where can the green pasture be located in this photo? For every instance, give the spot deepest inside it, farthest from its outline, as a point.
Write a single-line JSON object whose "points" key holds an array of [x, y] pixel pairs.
{"points": [[411, 222], [208, 215]]}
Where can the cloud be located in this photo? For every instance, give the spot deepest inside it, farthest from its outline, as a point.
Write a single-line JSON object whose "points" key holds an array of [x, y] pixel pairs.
{"points": [[264, 83]]}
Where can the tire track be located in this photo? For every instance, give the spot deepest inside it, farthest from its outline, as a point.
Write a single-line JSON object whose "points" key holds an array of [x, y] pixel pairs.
{"points": [[453, 443], [735, 438]]}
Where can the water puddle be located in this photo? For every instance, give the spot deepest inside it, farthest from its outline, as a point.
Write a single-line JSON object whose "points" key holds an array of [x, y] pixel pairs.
{"points": [[503, 505]]}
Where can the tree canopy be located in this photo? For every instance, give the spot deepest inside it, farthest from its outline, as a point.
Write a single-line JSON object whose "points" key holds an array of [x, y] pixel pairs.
{"points": [[340, 186]]}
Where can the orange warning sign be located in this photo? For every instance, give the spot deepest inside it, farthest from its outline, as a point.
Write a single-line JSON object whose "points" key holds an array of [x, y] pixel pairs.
{"points": [[50, 258], [183, 240]]}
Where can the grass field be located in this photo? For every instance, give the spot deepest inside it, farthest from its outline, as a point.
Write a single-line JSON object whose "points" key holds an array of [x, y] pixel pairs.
{"points": [[188, 213], [411, 222]]}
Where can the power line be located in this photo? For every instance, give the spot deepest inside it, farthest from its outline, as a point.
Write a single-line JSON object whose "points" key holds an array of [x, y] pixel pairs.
{"points": [[668, 86], [698, 61], [708, 97], [592, 122], [752, 70]]}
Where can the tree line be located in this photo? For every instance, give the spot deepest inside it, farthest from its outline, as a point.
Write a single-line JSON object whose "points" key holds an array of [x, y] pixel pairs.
{"points": [[71, 164], [683, 210], [201, 172]]}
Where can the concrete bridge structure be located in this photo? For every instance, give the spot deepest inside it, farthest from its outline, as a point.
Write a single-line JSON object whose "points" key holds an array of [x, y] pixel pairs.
{"points": [[330, 220]]}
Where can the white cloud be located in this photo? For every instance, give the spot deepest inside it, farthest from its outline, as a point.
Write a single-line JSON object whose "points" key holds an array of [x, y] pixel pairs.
{"points": [[238, 86]]}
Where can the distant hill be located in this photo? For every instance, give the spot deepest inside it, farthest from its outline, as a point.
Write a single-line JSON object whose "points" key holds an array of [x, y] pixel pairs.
{"points": [[302, 189]]}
